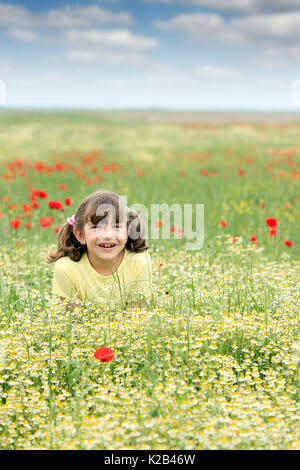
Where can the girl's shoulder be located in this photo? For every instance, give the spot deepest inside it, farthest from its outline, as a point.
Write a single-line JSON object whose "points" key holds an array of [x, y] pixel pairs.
{"points": [[66, 264], [65, 261], [143, 258]]}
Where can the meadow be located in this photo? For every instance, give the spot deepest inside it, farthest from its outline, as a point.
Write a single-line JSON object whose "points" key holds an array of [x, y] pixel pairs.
{"points": [[212, 362]]}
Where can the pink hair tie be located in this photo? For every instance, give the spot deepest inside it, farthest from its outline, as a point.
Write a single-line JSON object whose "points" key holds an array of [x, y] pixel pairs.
{"points": [[71, 220]]}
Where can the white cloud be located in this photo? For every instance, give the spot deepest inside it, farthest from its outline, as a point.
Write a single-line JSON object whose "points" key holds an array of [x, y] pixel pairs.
{"points": [[199, 25], [220, 73], [242, 6], [275, 27], [232, 5], [76, 16], [112, 47], [121, 38], [64, 17], [272, 28], [110, 57], [279, 52], [24, 35], [14, 15]]}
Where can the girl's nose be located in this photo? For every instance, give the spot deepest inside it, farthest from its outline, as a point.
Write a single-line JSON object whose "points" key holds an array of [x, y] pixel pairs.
{"points": [[107, 231]]}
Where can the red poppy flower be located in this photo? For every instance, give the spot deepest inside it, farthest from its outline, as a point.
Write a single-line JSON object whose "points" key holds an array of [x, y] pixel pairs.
{"points": [[104, 354], [58, 166], [140, 173], [254, 239], [178, 229], [182, 174], [113, 167], [273, 232], [158, 223], [56, 205], [41, 194], [271, 222], [27, 225], [1, 214], [7, 176], [15, 223], [68, 201], [57, 229], [288, 243], [240, 172], [223, 223], [34, 205], [263, 205], [62, 186], [46, 221], [39, 166], [26, 207]]}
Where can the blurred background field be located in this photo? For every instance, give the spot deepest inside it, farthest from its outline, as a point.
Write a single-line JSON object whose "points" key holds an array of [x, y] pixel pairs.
{"points": [[242, 172]]}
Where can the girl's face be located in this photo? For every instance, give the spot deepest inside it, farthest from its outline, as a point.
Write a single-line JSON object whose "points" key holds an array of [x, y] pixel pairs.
{"points": [[105, 240]]}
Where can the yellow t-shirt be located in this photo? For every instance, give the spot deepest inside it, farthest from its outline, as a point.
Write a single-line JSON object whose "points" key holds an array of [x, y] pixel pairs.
{"points": [[78, 279]]}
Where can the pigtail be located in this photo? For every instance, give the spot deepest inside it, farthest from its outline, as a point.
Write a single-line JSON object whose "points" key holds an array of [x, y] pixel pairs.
{"points": [[136, 241], [67, 245]]}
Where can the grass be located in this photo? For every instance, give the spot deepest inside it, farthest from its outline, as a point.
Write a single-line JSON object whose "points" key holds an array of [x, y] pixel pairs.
{"points": [[212, 361]]}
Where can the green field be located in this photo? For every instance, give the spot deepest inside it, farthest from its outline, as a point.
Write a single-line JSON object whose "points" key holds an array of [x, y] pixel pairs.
{"points": [[212, 362]]}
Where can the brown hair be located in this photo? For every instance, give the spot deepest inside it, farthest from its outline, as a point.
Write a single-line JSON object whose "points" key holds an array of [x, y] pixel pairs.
{"points": [[68, 245]]}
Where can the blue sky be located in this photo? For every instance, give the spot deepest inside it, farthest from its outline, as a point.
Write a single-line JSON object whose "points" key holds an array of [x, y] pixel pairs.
{"points": [[171, 54]]}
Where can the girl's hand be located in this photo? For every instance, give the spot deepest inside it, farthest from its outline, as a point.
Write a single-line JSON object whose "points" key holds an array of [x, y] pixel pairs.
{"points": [[136, 304], [69, 305]]}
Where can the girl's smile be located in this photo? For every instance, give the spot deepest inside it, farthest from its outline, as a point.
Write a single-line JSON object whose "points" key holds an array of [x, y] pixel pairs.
{"points": [[107, 246]]}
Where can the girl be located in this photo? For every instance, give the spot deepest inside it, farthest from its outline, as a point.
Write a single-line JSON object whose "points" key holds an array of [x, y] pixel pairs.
{"points": [[102, 254]]}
